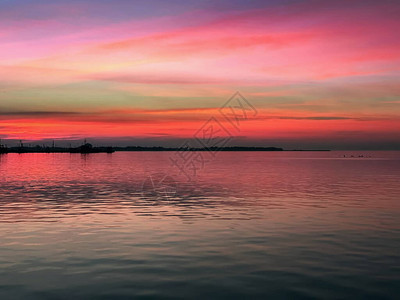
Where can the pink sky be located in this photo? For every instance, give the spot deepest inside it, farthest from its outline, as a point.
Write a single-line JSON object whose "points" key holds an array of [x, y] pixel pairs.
{"points": [[320, 73]]}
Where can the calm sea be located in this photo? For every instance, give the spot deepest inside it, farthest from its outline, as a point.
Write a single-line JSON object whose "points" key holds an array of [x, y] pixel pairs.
{"points": [[252, 225]]}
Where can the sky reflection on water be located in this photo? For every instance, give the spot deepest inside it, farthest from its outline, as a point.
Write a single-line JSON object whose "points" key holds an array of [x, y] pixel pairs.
{"points": [[293, 224]]}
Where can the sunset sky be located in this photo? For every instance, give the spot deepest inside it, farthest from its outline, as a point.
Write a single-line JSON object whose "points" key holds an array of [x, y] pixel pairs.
{"points": [[321, 74]]}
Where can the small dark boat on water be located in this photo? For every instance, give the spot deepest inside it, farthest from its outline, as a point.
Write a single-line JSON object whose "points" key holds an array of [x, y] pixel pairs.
{"points": [[88, 148]]}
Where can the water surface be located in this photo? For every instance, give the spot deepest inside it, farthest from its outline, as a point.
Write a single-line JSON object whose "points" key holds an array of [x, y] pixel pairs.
{"points": [[255, 225]]}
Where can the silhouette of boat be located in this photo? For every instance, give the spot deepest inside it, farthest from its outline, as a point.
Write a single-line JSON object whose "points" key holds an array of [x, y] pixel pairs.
{"points": [[88, 148]]}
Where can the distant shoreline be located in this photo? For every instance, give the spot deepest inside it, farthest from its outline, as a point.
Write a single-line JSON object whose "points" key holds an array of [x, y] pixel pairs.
{"points": [[39, 149]]}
